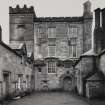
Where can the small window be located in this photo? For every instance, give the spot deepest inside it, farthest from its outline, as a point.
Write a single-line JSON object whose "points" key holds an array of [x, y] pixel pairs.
{"points": [[21, 26], [39, 69]]}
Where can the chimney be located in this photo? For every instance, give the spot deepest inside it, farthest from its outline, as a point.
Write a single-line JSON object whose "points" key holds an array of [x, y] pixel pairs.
{"points": [[99, 39], [97, 18], [103, 19], [87, 9]]}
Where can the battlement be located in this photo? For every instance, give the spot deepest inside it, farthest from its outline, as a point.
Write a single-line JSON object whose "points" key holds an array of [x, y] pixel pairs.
{"points": [[19, 10]]}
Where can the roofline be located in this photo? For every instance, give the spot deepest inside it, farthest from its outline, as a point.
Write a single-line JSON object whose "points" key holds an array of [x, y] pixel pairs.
{"points": [[82, 57], [101, 53], [10, 49], [60, 19]]}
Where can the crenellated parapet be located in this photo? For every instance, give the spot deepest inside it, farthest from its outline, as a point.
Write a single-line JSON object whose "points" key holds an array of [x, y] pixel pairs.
{"points": [[19, 10]]}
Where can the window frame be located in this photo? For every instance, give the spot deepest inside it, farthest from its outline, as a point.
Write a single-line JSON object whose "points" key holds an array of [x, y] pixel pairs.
{"points": [[72, 40], [52, 67], [52, 33]]}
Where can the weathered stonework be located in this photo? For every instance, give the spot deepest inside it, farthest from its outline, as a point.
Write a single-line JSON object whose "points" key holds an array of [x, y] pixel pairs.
{"points": [[61, 41], [11, 69], [22, 26], [60, 38], [84, 68]]}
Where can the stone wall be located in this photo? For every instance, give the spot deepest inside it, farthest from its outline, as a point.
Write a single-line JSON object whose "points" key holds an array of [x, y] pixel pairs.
{"points": [[61, 39], [22, 29], [52, 81], [102, 63], [11, 68], [84, 68]]}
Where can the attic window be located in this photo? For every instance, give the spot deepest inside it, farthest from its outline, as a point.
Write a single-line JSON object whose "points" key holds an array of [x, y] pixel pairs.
{"points": [[21, 26]]}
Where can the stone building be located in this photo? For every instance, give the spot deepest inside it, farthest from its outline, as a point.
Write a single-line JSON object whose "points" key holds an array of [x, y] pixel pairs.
{"points": [[57, 43], [21, 22], [90, 67], [15, 72]]}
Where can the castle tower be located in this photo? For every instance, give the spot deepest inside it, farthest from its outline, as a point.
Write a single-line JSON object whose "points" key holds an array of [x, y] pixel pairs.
{"points": [[21, 21], [88, 18]]}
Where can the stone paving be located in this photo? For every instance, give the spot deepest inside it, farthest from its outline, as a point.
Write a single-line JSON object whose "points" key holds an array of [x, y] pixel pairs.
{"points": [[53, 98]]}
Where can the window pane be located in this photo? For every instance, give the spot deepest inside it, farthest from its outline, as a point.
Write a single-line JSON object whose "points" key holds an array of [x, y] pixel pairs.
{"points": [[72, 32], [51, 67], [51, 32], [51, 42], [51, 51], [74, 51], [73, 47]]}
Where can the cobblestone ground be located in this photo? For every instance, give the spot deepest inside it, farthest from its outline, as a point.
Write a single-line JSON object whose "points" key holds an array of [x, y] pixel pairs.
{"points": [[52, 98]]}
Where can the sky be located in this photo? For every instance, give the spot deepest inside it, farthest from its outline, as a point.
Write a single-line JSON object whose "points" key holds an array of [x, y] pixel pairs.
{"points": [[45, 8]]}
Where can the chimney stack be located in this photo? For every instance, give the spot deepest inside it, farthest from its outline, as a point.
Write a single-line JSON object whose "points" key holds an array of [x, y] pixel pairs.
{"points": [[87, 9], [97, 18], [103, 19]]}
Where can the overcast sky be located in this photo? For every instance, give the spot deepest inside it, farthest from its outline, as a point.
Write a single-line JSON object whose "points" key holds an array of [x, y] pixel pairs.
{"points": [[45, 8]]}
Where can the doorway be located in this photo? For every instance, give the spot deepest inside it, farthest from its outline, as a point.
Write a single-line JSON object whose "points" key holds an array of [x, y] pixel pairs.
{"points": [[67, 84], [6, 83]]}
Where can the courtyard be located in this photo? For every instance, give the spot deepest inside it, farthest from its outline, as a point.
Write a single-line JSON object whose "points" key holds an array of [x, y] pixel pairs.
{"points": [[53, 98]]}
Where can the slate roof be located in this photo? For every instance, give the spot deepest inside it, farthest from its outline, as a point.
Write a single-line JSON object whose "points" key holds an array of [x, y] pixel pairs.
{"points": [[10, 49], [90, 53], [86, 54], [102, 52], [96, 77]]}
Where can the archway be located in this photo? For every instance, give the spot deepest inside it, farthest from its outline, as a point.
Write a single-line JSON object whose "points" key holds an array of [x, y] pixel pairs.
{"points": [[66, 82]]}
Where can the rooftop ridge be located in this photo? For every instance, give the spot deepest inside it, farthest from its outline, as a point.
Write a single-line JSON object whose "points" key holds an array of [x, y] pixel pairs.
{"points": [[23, 10], [58, 19]]}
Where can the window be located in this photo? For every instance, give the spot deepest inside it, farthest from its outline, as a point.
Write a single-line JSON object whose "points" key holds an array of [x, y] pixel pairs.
{"points": [[72, 32], [52, 47], [40, 32], [51, 32], [51, 67], [39, 69], [19, 81], [52, 42], [51, 51], [21, 26], [73, 47], [72, 36], [27, 80]]}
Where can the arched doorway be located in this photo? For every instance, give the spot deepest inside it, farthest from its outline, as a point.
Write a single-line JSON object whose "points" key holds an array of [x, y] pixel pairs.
{"points": [[67, 83]]}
